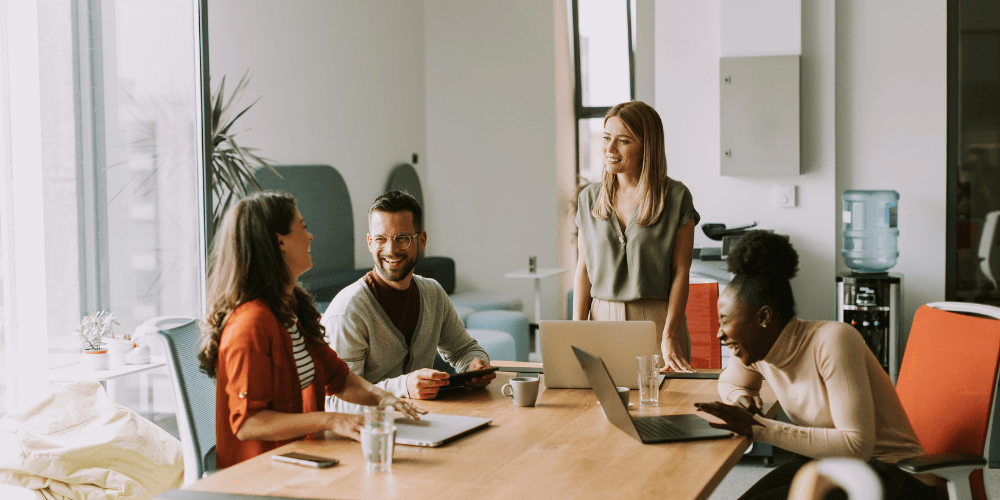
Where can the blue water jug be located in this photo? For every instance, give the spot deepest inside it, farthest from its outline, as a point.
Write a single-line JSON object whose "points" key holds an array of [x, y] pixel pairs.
{"points": [[870, 230]]}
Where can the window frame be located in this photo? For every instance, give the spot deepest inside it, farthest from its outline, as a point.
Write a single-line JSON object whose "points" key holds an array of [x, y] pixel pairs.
{"points": [[582, 112], [27, 343]]}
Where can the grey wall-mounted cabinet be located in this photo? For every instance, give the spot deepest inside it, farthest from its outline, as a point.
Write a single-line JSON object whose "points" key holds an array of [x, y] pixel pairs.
{"points": [[759, 99]]}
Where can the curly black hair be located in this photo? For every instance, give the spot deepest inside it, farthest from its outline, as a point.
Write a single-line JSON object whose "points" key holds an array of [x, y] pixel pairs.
{"points": [[763, 264]]}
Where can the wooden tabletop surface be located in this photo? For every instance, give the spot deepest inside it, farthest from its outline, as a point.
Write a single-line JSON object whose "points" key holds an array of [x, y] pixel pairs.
{"points": [[564, 447]]}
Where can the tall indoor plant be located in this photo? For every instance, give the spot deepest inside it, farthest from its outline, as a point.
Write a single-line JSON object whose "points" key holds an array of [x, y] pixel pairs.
{"points": [[233, 165]]}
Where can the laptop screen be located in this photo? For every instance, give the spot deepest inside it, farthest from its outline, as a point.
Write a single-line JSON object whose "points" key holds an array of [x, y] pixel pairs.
{"points": [[606, 393]]}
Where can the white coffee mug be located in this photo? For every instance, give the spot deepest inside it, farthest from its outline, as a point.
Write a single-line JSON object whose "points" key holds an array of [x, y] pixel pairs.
{"points": [[623, 392], [524, 390]]}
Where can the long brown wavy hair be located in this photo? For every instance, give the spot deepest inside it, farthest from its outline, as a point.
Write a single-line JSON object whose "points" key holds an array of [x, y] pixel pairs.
{"points": [[645, 124], [246, 265]]}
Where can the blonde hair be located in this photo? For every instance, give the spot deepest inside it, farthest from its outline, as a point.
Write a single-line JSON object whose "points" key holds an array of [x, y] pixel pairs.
{"points": [[644, 123]]}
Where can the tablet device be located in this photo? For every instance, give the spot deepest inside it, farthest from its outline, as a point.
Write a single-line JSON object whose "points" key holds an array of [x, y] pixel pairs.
{"points": [[460, 379], [522, 369], [698, 374]]}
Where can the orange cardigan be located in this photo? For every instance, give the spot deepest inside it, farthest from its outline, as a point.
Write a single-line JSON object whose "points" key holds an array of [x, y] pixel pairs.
{"points": [[256, 371]]}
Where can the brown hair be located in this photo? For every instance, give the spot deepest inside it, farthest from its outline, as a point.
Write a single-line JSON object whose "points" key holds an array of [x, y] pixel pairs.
{"points": [[398, 201], [644, 123], [246, 265]]}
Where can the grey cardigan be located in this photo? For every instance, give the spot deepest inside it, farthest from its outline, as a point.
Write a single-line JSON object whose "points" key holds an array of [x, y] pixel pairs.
{"points": [[360, 331]]}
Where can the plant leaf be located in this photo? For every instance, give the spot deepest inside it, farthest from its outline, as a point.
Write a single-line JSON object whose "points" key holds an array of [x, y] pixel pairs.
{"points": [[233, 166]]}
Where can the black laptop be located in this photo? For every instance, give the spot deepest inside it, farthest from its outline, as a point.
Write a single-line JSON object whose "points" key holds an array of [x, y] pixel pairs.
{"points": [[660, 429]]}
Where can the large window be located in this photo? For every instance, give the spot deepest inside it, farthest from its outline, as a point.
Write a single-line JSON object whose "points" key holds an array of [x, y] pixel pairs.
{"points": [[603, 42], [973, 272], [102, 156]]}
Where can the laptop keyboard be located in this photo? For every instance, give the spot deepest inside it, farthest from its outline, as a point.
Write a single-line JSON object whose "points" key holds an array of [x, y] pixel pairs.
{"points": [[655, 426]]}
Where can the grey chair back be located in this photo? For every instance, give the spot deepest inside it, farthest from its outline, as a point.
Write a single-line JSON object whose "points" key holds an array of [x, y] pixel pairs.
{"points": [[404, 178], [322, 199], [442, 269], [194, 391]]}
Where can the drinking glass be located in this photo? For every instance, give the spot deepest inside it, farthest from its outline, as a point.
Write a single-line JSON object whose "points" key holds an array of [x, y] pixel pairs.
{"points": [[649, 372], [377, 438]]}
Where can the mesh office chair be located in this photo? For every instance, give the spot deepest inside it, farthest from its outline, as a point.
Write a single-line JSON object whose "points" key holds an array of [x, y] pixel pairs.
{"points": [[947, 384], [194, 392]]}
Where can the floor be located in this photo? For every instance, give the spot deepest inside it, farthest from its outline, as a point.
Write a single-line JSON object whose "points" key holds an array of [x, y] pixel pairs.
{"points": [[747, 472]]}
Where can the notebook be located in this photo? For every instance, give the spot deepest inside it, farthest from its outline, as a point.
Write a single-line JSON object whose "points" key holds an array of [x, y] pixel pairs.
{"points": [[659, 429], [435, 429], [618, 342]]}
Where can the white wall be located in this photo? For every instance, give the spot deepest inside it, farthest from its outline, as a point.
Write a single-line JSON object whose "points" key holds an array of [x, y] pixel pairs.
{"points": [[689, 42], [470, 86], [886, 76], [491, 141], [341, 83], [891, 126]]}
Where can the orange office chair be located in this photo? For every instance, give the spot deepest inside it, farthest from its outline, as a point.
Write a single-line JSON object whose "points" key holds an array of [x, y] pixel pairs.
{"points": [[703, 323], [947, 384]]}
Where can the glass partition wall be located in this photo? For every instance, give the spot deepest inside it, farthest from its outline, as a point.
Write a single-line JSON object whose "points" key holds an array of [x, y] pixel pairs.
{"points": [[973, 251]]}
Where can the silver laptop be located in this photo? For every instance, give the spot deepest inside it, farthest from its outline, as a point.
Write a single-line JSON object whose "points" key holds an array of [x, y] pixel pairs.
{"points": [[659, 429], [435, 429], [617, 342]]}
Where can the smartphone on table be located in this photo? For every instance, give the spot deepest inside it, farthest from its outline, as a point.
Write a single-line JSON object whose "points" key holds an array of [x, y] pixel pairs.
{"points": [[306, 460]]}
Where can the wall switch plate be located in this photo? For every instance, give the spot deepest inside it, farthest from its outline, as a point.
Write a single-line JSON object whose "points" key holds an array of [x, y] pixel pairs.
{"points": [[785, 196]]}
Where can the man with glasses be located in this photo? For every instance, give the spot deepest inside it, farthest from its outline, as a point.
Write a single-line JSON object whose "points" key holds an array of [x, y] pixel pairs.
{"points": [[389, 324]]}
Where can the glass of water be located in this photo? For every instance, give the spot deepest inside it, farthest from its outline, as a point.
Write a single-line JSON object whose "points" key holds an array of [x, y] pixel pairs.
{"points": [[649, 373], [377, 438]]}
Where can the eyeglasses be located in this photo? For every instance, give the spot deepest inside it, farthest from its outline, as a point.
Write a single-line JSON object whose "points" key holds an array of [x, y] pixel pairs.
{"points": [[401, 240]]}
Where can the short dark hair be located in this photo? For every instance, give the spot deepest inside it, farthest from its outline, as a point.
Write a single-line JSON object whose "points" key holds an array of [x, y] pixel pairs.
{"points": [[399, 201], [763, 264]]}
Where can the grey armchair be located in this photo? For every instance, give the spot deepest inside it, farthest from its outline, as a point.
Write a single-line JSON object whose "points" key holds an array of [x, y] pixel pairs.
{"points": [[325, 204]]}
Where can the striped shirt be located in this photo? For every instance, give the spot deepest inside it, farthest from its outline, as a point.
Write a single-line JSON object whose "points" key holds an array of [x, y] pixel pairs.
{"points": [[303, 361]]}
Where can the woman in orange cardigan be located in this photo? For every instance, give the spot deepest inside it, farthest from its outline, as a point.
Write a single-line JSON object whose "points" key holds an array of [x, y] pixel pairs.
{"points": [[262, 340]]}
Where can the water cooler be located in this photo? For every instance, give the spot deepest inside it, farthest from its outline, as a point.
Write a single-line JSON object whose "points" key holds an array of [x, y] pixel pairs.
{"points": [[869, 298], [872, 303]]}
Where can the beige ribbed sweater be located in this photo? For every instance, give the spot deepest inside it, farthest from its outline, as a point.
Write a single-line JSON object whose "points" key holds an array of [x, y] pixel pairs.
{"points": [[833, 389]]}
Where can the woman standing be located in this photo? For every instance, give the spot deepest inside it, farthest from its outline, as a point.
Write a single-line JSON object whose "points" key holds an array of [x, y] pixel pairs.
{"points": [[262, 340], [636, 235], [840, 400]]}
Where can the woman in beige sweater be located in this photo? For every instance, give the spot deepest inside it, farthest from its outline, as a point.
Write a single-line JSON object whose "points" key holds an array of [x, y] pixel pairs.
{"points": [[840, 400]]}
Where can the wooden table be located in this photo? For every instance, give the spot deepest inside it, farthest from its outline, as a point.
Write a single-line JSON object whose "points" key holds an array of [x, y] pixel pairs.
{"points": [[562, 448]]}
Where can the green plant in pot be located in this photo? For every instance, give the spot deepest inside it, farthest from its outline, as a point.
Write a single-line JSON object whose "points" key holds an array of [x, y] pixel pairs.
{"points": [[232, 165], [93, 330]]}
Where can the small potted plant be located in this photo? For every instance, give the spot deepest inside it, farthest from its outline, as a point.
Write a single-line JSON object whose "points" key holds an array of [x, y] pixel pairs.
{"points": [[93, 329]]}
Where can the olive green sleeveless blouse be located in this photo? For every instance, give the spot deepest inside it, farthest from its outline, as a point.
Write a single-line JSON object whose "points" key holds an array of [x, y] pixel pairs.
{"points": [[633, 264]]}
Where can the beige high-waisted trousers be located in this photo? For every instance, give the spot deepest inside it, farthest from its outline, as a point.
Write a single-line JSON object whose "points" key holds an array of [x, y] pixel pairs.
{"points": [[654, 310]]}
